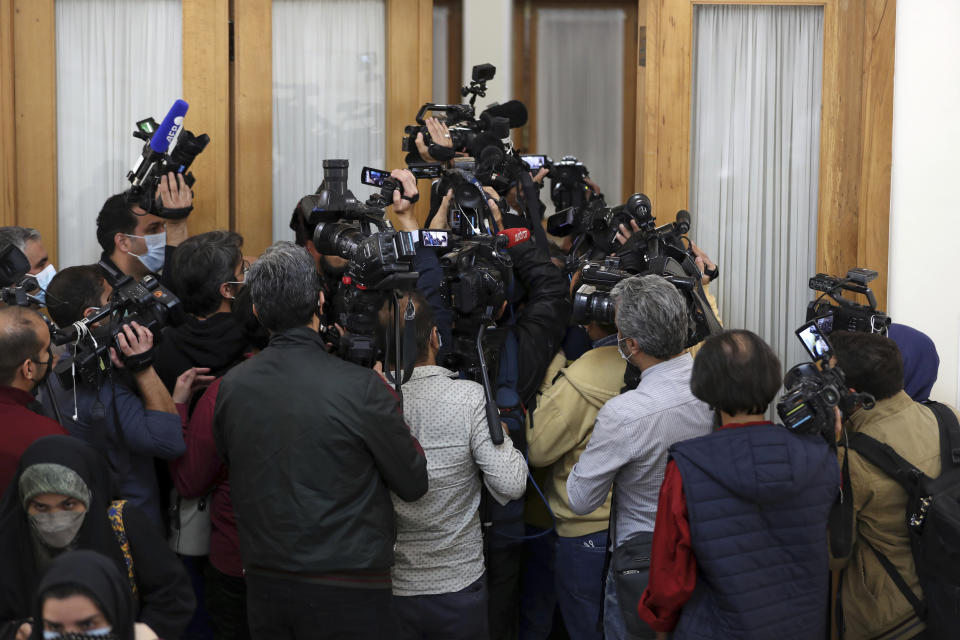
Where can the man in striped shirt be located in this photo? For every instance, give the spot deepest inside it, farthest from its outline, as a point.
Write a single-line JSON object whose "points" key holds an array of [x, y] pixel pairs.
{"points": [[633, 431]]}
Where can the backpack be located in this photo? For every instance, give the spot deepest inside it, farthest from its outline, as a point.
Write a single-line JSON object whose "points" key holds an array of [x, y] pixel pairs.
{"points": [[933, 523]]}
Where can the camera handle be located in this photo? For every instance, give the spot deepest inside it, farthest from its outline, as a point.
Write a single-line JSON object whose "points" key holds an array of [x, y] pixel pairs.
{"points": [[493, 413]]}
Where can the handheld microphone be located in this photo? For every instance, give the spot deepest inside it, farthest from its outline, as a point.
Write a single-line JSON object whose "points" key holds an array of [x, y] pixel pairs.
{"points": [[515, 236], [167, 132], [513, 110]]}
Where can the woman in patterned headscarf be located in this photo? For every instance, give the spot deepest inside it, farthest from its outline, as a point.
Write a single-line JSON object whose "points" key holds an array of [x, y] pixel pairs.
{"points": [[62, 499]]}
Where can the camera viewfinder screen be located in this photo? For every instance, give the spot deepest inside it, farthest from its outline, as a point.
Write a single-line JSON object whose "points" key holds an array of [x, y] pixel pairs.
{"points": [[433, 238], [813, 341], [534, 162], [373, 177]]}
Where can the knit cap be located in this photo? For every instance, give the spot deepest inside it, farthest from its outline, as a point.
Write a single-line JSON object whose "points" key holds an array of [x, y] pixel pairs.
{"points": [[47, 477]]}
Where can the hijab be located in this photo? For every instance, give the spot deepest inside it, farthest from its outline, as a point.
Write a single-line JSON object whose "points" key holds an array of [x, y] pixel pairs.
{"points": [[19, 558], [97, 577], [920, 360]]}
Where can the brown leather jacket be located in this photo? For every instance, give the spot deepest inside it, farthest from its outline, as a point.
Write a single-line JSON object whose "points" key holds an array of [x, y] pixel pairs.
{"points": [[873, 606]]}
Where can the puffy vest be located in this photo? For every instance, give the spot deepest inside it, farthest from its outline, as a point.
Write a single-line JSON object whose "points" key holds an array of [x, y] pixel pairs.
{"points": [[757, 500]]}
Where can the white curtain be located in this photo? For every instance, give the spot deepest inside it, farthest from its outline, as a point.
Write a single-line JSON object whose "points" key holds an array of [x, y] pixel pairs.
{"points": [[118, 61], [441, 34], [329, 95], [580, 91], [755, 149]]}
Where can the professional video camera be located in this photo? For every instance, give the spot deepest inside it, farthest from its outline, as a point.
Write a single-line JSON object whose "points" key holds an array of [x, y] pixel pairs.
{"points": [[570, 194], [15, 285], [807, 406], [466, 132], [595, 226], [478, 276], [592, 301], [380, 261], [146, 302], [847, 315], [168, 148]]}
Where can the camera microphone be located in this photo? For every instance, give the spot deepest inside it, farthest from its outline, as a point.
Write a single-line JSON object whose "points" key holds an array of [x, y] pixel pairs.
{"points": [[513, 110], [683, 221], [515, 236], [167, 132]]}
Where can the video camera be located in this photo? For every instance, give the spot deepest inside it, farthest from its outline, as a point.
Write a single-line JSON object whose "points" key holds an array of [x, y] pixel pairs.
{"points": [[15, 285], [592, 301], [570, 194], [847, 315], [466, 131], [807, 405], [380, 261], [146, 302], [168, 148], [477, 278]]}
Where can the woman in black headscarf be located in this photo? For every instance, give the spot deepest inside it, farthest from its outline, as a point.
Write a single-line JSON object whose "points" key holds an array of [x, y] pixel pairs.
{"points": [[84, 595], [60, 500]]}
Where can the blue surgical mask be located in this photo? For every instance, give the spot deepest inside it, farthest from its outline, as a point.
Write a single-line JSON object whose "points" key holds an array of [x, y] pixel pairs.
{"points": [[105, 633], [43, 280], [156, 249]]}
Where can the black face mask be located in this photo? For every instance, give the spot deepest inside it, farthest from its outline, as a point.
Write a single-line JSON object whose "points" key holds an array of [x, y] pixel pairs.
{"points": [[48, 364]]}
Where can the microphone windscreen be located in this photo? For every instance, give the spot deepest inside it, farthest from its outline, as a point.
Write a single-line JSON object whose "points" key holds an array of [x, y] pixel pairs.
{"points": [[513, 110], [166, 133]]}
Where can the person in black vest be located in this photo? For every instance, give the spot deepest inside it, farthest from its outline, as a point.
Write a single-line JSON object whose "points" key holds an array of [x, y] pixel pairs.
{"points": [[740, 544]]}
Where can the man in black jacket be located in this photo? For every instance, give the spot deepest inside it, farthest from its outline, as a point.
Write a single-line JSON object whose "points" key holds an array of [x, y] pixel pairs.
{"points": [[314, 445], [209, 271]]}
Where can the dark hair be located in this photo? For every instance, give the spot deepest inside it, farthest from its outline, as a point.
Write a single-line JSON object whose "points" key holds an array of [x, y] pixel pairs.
{"points": [[200, 265], [302, 229], [425, 320], [242, 311], [284, 286], [20, 340], [872, 363], [73, 290], [736, 372], [115, 217]]}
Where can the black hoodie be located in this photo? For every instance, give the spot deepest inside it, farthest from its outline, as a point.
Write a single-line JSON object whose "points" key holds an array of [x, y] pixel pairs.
{"points": [[217, 342]]}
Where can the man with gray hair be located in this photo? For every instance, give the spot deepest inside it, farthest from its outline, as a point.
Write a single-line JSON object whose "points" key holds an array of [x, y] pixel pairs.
{"points": [[633, 431], [28, 240], [314, 445]]}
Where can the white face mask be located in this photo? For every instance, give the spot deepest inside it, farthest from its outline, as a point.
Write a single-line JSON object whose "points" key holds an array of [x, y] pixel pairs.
{"points": [[57, 529], [43, 280], [156, 248], [625, 356]]}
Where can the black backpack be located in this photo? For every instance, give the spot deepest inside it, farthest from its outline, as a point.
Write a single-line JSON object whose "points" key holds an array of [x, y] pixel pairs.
{"points": [[933, 523]]}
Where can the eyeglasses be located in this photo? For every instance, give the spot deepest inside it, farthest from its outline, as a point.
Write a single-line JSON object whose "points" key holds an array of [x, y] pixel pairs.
{"points": [[244, 268]]}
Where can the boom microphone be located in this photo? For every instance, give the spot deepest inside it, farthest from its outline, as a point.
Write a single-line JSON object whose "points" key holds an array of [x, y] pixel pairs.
{"points": [[167, 132], [513, 110], [515, 236]]}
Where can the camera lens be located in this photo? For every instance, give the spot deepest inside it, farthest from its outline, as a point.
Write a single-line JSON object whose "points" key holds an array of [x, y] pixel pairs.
{"points": [[830, 395], [337, 238]]}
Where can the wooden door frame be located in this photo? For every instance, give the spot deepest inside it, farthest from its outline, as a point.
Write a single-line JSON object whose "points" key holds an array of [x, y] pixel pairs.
{"points": [[525, 81], [856, 128], [230, 92]]}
